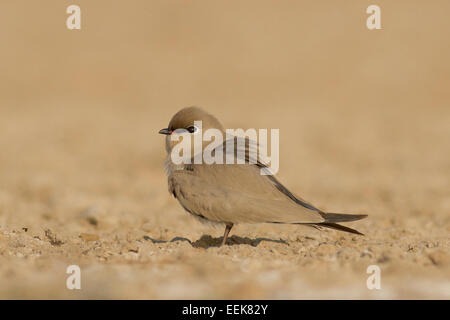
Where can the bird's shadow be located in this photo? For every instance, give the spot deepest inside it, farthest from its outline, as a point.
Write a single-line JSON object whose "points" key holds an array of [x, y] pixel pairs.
{"points": [[206, 241]]}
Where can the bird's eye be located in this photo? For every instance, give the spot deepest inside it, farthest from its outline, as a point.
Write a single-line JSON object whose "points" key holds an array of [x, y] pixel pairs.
{"points": [[192, 129]]}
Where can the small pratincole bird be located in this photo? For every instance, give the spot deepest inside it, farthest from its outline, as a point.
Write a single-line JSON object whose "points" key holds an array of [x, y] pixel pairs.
{"points": [[236, 193]]}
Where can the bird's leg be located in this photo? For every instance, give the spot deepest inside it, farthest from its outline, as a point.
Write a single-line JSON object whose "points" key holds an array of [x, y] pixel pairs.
{"points": [[227, 231]]}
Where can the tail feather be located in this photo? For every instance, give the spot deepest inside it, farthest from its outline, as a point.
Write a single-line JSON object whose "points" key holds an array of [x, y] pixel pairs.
{"points": [[342, 217], [331, 220], [338, 227]]}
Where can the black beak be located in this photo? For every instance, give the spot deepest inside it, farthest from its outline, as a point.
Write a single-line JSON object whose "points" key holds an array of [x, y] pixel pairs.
{"points": [[165, 131]]}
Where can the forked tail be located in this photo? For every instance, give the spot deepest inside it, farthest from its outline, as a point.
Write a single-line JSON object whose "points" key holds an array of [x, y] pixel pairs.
{"points": [[342, 217], [332, 218]]}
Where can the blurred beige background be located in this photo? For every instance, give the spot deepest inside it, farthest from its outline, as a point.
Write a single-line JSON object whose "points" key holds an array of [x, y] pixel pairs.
{"points": [[364, 119]]}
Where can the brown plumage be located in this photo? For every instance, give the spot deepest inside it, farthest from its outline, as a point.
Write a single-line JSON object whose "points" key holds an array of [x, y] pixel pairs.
{"points": [[237, 193]]}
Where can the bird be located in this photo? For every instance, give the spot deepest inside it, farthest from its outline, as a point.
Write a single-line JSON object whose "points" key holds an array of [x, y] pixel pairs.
{"points": [[229, 194]]}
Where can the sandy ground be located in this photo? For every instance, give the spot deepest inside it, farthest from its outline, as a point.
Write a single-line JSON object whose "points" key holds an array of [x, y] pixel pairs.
{"points": [[364, 119]]}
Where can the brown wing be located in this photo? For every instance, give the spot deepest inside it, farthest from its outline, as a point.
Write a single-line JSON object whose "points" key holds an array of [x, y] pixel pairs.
{"points": [[237, 194]]}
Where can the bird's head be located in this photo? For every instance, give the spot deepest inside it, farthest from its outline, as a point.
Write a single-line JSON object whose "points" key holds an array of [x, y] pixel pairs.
{"points": [[186, 123]]}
